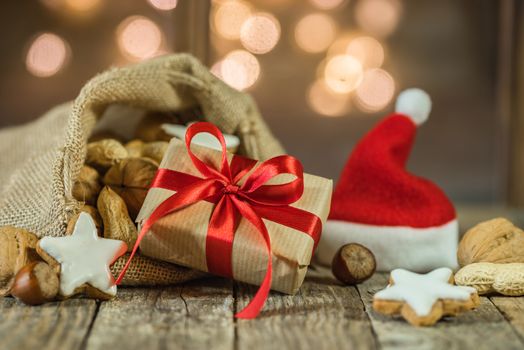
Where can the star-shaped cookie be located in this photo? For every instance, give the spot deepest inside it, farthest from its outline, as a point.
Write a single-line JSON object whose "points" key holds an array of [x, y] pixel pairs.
{"points": [[422, 299], [83, 260]]}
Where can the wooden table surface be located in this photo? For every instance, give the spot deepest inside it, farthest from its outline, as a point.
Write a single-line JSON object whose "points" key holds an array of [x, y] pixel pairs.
{"points": [[199, 315]]}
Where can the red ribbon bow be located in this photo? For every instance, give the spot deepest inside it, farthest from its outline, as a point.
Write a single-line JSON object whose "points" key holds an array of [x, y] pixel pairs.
{"points": [[252, 200]]}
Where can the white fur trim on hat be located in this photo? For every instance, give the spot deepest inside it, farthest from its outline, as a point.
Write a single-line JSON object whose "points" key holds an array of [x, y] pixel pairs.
{"points": [[414, 103], [414, 249]]}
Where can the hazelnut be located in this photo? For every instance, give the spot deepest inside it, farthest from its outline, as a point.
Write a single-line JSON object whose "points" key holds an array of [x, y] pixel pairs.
{"points": [[131, 179], [35, 284], [353, 264]]}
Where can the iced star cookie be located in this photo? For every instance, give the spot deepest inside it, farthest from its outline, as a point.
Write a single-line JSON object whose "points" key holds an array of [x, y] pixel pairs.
{"points": [[423, 299], [83, 260]]}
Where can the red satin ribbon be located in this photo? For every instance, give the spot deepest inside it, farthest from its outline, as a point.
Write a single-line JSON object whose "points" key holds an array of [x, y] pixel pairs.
{"points": [[252, 200]]}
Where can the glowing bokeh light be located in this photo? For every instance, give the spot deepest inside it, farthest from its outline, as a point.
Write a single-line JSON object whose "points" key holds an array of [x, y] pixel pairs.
{"points": [[327, 4], [378, 17], [216, 69], [239, 69], [164, 5], [314, 33], [47, 54], [376, 90], [228, 18], [260, 33], [367, 50], [343, 73], [82, 5], [52, 4], [324, 101], [340, 45], [321, 67], [73, 9], [139, 38]]}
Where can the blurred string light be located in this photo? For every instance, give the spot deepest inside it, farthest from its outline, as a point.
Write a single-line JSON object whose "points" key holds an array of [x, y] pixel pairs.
{"points": [[326, 102], [376, 90], [47, 54], [139, 38], [314, 33], [260, 33], [378, 17], [163, 5], [367, 50], [327, 4], [239, 69], [343, 73], [228, 17]]}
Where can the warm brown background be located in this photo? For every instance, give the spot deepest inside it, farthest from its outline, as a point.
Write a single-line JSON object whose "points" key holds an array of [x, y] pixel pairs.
{"points": [[460, 51]]}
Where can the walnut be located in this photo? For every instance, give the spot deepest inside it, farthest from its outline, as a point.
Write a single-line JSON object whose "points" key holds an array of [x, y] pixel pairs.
{"points": [[17, 249], [36, 283], [496, 241], [353, 264], [94, 214], [131, 179], [87, 186], [117, 223], [103, 154]]}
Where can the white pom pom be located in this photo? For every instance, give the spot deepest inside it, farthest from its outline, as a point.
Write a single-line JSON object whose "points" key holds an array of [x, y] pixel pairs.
{"points": [[414, 103]]}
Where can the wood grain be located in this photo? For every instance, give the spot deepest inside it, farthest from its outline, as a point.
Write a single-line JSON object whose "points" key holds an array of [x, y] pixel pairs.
{"points": [[322, 315], [60, 325], [484, 328], [197, 315], [513, 311]]}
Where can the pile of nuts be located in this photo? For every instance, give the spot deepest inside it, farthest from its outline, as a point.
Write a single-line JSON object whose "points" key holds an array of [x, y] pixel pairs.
{"points": [[112, 186], [114, 182], [491, 256]]}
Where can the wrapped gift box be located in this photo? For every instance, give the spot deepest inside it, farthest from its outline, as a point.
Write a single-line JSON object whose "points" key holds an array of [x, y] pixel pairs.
{"points": [[180, 237]]}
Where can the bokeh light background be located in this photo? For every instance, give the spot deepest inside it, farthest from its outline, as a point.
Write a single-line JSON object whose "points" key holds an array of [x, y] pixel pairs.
{"points": [[322, 71]]}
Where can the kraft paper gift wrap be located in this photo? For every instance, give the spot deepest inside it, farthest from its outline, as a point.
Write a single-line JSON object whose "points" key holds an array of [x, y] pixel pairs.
{"points": [[181, 236]]}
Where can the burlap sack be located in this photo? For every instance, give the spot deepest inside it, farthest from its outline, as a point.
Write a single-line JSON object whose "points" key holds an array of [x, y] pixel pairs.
{"points": [[40, 161]]}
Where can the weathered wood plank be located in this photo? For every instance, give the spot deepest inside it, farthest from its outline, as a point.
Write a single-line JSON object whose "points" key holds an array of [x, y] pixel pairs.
{"points": [[322, 315], [513, 310], [197, 315], [484, 328], [60, 325]]}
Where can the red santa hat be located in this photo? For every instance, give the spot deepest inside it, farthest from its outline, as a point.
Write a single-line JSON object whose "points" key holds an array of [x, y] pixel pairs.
{"points": [[405, 220]]}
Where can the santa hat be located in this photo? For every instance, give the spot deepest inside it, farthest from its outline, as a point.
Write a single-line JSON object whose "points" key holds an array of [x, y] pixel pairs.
{"points": [[405, 220]]}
